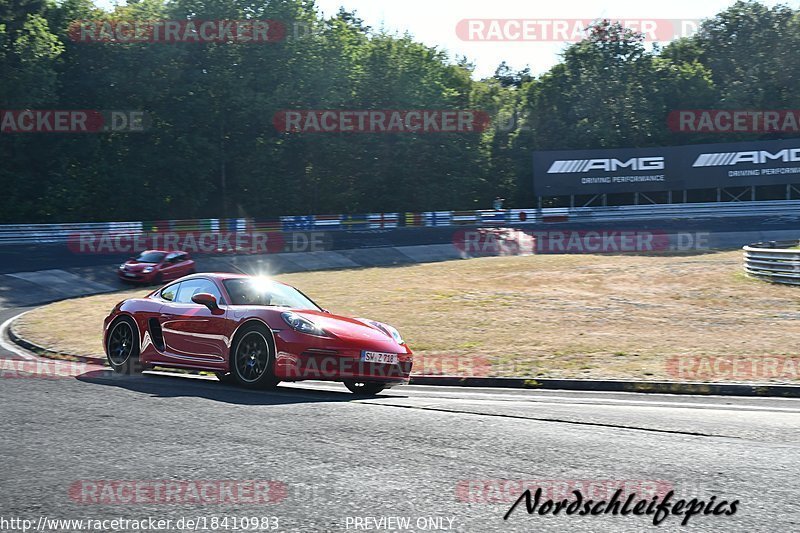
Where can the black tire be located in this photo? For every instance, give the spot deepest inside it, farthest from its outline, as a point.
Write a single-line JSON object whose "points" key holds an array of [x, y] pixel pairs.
{"points": [[252, 358], [122, 346], [225, 377], [365, 388]]}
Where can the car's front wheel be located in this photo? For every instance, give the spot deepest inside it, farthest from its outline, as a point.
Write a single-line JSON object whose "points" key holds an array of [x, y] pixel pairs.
{"points": [[226, 378], [365, 388], [122, 347], [253, 358]]}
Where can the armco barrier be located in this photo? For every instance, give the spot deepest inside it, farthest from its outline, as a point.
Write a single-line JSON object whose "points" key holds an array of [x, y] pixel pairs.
{"points": [[15, 234], [774, 261], [666, 211]]}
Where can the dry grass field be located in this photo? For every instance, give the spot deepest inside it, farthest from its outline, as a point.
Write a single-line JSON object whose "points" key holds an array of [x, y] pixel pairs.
{"points": [[587, 316]]}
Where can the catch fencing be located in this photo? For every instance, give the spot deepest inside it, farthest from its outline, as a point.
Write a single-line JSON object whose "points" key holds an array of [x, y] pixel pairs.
{"points": [[19, 234]]}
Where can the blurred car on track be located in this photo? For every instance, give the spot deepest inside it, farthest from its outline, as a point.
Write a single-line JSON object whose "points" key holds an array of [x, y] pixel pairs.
{"points": [[156, 266], [255, 332]]}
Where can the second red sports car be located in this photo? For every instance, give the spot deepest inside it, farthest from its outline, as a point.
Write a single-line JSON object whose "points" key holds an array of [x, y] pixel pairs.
{"points": [[156, 266], [254, 331]]}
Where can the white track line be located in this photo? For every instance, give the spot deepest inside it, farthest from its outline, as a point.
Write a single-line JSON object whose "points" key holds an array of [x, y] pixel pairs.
{"points": [[531, 397], [10, 346]]}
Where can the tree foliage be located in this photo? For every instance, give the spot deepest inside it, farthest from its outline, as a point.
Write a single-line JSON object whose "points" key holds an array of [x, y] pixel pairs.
{"points": [[211, 149]]}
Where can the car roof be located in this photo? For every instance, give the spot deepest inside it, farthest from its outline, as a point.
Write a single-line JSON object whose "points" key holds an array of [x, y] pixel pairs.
{"points": [[222, 276], [165, 252]]}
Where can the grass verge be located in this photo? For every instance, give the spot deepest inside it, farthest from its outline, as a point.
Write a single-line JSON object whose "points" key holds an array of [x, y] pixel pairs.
{"points": [[543, 316]]}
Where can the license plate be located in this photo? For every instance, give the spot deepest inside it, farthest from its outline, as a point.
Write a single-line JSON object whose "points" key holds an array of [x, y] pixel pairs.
{"points": [[379, 357], [129, 275]]}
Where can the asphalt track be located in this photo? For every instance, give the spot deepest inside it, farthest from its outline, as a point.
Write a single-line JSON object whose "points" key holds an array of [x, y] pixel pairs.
{"points": [[455, 456], [407, 453]]}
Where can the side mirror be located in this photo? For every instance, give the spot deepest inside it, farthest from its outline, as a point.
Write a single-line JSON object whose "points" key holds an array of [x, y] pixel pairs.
{"points": [[203, 298]]}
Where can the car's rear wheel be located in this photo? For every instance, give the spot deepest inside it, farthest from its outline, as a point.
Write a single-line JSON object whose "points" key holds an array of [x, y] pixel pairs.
{"points": [[365, 388], [253, 358], [122, 347]]}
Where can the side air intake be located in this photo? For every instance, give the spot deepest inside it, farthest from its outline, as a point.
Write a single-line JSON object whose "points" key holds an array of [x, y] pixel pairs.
{"points": [[156, 334]]}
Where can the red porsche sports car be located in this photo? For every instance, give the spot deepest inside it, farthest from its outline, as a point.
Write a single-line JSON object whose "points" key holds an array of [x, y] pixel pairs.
{"points": [[156, 266], [253, 331]]}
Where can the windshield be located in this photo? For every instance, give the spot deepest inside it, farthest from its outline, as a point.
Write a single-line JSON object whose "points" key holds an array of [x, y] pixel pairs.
{"points": [[249, 291], [150, 257]]}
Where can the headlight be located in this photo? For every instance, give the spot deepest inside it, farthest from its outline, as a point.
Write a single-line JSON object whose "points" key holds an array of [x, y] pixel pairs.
{"points": [[303, 325], [386, 328], [394, 333], [148, 270]]}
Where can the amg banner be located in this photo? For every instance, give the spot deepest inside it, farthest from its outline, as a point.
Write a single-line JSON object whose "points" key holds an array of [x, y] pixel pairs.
{"points": [[698, 166]]}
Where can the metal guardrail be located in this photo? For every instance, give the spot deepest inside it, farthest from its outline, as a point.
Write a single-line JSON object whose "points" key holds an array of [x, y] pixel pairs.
{"points": [[691, 210], [774, 261], [14, 234], [60, 233]]}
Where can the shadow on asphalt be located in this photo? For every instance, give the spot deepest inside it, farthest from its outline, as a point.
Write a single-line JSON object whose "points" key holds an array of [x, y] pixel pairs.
{"points": [[160, 386]]}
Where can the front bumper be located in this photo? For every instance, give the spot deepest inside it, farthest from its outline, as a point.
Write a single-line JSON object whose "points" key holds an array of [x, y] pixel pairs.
{"points": [[137, 277], [334, 360]]}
